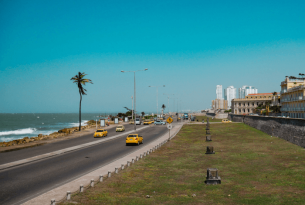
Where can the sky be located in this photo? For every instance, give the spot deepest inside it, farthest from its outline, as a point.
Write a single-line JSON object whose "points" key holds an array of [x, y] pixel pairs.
{"points": [[188, 46]]}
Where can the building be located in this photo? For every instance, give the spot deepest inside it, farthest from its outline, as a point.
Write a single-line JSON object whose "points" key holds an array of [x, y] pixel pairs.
{"points": [[219, 104], [250, 102], [293, 97], [219, 92], [246, 90], [230, 94]]}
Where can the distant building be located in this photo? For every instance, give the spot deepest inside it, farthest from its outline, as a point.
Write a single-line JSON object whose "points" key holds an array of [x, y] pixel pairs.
{"points": [[246, 90], [219, 92], [219, 104], [293, 97], [248, 104], [230, 94]]}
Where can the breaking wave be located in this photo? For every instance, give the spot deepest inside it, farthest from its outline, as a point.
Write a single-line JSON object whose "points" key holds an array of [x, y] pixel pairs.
{"points": [[18, 132]]}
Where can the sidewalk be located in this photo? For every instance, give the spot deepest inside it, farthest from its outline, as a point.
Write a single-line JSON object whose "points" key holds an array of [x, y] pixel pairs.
{"points": [[59, 193]]}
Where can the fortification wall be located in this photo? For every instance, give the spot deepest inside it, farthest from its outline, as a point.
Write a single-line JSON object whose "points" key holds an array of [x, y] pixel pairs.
{"points": [[290, 129]]}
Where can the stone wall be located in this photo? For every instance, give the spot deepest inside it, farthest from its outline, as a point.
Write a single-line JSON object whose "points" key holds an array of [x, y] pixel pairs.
{"points": [[290, 129]]}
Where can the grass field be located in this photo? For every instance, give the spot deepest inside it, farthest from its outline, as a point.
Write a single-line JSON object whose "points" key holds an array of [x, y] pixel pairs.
{"points": [[255, 168]]}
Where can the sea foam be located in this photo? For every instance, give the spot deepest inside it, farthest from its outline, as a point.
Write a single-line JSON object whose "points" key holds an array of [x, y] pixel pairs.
{"points": [[18, 132]]}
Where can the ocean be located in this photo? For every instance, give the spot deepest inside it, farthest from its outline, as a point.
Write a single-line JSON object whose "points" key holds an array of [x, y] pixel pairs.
{"points": [[19, 125]]}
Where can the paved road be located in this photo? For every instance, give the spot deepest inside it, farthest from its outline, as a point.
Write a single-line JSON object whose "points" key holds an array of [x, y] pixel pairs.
{"points": [[6, 157], [24, 182]]}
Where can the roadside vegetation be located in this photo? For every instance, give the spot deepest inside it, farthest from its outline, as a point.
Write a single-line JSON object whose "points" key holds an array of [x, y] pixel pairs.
{"points": [[254, 167]]}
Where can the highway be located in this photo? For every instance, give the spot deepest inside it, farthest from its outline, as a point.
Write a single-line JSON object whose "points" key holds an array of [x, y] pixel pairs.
{"points": [[22, 183]]}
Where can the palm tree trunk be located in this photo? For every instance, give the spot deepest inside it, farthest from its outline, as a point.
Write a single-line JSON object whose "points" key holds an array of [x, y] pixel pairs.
{"points": [[80, 112]]}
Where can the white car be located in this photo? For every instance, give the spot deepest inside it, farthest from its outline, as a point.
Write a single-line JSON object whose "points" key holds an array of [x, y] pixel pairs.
{"points": [[138, 121]]}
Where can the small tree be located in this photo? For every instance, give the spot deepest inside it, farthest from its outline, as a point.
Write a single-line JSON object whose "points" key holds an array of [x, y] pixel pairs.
{"points": [[143, 113]]}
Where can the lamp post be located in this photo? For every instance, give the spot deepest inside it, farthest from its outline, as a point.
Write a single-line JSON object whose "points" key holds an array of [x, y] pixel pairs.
{"points": [[132, 107], [134, 78], [157, 95]]}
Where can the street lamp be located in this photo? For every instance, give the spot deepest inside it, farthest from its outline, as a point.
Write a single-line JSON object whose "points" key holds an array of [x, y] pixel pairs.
{"points": [[157, 95], [134, 77]]}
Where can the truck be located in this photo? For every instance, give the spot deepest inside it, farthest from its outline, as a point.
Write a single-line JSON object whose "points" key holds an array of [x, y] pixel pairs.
{"points": [[186, 116]]}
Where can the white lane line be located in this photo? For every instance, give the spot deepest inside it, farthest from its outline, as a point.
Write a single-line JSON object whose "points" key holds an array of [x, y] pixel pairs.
{"points": [[58, 152]]}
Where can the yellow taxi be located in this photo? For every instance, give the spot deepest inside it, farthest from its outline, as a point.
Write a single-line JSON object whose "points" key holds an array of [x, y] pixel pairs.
{"points": [[120, 128], [226, 121], [100, 133], [131, 122], [134, 139], [152, 121], [147, 122], [178, 118]]}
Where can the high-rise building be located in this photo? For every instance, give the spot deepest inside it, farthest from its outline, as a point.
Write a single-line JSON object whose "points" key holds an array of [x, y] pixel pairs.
{"points": [[246, 90], [230, 94], [219, 92]]}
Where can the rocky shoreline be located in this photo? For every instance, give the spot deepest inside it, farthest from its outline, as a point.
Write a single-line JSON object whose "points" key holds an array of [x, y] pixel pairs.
{"points": [[61, 133]]}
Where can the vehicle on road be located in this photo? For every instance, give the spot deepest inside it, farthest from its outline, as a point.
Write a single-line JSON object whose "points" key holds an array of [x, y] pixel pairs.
{"points": [[100, 133], [159, 122], [147, 122], [178, 119], [138, 121], [131, 122], [152, 121], [226, 121], [120, 128], [186, 116], [134, 139]]}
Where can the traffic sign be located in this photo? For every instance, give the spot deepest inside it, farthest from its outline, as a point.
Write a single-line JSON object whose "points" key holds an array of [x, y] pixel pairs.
{"points": [[169, 120], [169, 126]]}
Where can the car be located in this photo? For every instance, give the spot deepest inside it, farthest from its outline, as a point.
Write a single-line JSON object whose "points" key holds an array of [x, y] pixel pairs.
{"points": [[159, 122], [226, 121], [134, 139], [178, 118], [100, 133], [152, 121], [120, 128], [131, 122], [138, 121], [146, 122]]}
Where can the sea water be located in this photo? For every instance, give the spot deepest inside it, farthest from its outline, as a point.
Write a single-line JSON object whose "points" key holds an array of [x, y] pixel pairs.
{"points": [[19, 125]]}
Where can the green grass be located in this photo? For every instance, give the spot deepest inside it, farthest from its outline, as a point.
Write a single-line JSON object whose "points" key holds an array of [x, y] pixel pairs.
{"points": [[253, 171]]}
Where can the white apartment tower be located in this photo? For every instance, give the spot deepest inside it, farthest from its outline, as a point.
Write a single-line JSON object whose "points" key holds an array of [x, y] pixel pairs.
{"points": [[246, 90], [219, 92], [230, 94]]}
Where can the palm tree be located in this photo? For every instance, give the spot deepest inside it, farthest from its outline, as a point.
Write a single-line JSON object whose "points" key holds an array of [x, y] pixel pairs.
{"points": [[163, 106], [80, 81]]}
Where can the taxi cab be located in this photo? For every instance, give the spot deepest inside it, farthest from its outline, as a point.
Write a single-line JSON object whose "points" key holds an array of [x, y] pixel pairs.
{"points": [[147, 122], [120, 128], [152, 121], [226, 121], [100, 133], [134, 139]]}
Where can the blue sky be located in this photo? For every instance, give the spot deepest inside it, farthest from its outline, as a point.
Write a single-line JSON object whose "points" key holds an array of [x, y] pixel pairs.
{"points": [[189, 46]]}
